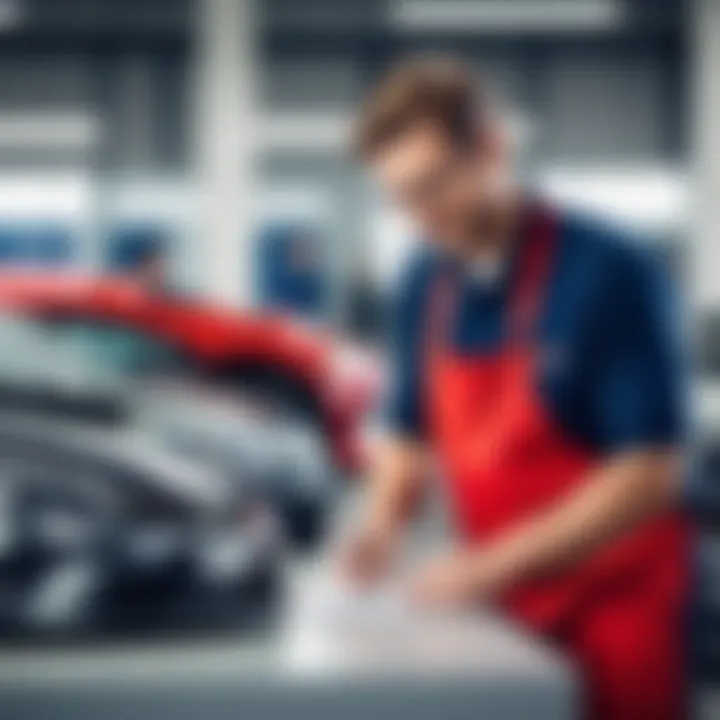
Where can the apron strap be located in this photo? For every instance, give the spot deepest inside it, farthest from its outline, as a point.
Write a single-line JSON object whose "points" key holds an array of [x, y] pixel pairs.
{"points": [[536, 262], [526, 297], [441, 312]]}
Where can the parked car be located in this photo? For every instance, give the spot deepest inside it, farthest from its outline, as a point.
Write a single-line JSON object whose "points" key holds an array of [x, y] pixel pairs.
{"points": [[275, 457], [104, 532], [326, 382], [271, 454]]}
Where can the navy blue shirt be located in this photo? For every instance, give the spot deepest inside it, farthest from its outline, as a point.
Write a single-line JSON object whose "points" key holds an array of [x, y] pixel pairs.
{"points": [[608, 322]]}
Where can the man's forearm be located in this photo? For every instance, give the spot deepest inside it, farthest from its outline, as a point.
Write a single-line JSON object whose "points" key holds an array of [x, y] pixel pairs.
{"points": [[619, 495], [396, 483]]}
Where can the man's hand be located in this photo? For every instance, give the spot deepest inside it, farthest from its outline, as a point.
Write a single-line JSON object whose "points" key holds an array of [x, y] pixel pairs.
{"points": [[394, 488], [455, 580], [366, 557], [618, 496]]}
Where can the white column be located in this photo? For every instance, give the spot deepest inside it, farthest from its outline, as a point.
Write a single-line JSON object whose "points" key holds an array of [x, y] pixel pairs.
{"points": [[705, 241], [225, 106]]}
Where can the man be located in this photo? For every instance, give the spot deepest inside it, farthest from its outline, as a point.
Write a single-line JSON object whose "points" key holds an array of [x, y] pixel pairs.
{"points": [[536, 362]]}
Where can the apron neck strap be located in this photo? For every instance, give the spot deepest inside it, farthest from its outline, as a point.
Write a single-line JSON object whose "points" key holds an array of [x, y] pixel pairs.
{"points": [[526, 297], [535, 264], [441, 310]]}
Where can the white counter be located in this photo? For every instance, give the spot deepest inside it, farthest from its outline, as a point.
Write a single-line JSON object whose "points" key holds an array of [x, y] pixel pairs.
{"points": [[380, 666]]}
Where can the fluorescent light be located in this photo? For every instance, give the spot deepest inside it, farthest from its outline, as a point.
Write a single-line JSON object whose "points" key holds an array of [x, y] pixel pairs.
{"points": [[305, 131], [651, 199], [292, 203], [45, 130], [151, 199], [26, 195], [506, 15]]}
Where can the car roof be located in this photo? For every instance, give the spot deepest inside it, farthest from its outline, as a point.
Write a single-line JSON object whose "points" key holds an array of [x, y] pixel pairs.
{"points": [[207, 330]]}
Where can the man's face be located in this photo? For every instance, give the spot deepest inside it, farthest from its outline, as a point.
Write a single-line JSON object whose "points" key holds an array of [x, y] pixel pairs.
{"points": [[446, 190]]}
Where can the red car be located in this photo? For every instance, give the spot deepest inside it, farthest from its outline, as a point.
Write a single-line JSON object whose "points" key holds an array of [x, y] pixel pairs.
{"points": [[301, 369]]}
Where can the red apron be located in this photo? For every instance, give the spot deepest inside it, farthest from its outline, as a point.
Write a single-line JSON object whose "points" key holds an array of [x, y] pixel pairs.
{"points": [[618, 614]]}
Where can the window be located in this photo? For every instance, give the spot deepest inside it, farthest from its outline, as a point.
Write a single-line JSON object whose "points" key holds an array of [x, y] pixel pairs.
{"points": [[125, 350], [67, 348]]}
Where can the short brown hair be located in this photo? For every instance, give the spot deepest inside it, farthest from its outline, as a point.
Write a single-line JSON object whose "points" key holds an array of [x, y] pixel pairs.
{"points": [[435, 90]]}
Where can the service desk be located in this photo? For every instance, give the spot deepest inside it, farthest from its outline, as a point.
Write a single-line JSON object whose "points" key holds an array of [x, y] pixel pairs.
{"points": [[382, 665]]}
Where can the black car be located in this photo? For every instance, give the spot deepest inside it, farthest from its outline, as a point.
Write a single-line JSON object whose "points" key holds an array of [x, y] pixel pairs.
{"points": [[273, 454], [104, 530]]}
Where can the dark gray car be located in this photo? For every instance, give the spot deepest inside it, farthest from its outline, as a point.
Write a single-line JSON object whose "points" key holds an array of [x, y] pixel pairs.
{"points": [[105, 530]]}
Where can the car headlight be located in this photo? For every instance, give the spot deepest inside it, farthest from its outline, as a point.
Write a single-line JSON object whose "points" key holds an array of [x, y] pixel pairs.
{"points": [[230, 552], [154, 544]]}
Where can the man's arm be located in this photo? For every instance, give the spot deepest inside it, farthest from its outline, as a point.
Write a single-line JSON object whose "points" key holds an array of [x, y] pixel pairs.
{"points": [[619, 495], [394, 488], [396, 483], [399, 466], [622, 493]]}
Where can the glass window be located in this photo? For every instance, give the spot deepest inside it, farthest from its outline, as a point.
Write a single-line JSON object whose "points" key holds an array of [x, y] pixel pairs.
{"points": [[124, 349], [54, 347]]}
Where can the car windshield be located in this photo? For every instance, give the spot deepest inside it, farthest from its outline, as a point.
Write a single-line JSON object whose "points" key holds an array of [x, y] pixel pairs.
{"points": [[127, 351], [40, 359], [63, 347], [33, 353]]}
